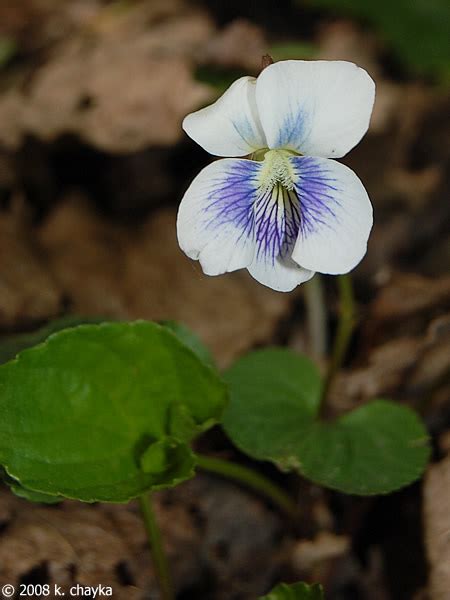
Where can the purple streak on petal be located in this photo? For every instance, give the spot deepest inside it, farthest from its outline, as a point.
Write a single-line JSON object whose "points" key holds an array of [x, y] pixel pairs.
{"points": [[296, 128], [316, 190], [245, 129], [277, 220], [232, 197]]}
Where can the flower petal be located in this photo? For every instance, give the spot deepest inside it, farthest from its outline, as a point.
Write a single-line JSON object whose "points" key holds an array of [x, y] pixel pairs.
{"points": [[215, 218], [282, 275], [335, 216], [230, 126], [317, 108], [277, 222]]}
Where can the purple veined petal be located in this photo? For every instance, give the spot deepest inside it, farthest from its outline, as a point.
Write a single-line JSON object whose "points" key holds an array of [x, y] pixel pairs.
{"points": [[230, 126], [228, 220], [335, 216], [316, 108], [215, 222], [277, 222]]}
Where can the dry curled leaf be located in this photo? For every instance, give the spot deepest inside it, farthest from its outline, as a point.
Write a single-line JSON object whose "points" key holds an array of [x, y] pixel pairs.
{"points": [[241, 44], [409, 294], [70, 543], [230, 313], [216, 528], [411, 367], [325, 546], [28, 293], [314, 557], [85, 257], [139, 102], [388, 366], [108, 270], [437, 528]]}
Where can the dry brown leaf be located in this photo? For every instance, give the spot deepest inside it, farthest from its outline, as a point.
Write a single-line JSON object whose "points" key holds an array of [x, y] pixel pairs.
{"points": [[239, 45], [73, 543], [214, 527], [231, 313], [388, 366], [139, 102], [76, 543], [409, 294], [107, 270], [314, 558], [28, 293], [437, 527], [413, 367], [434, 363], [85, 257]]}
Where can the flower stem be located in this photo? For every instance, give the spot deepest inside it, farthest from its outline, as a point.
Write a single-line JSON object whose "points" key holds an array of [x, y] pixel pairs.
{"points": [[316, 316], [250, 478], [156, 547], [344, 332]]}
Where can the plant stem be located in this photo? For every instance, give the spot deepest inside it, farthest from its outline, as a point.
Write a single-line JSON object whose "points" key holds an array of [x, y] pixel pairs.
{"points": [[316, 316], [344, 332], [251, 479], [156, 547]]}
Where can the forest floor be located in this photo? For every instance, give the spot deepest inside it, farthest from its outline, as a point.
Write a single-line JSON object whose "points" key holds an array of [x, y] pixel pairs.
{"points": [[93, 163]]}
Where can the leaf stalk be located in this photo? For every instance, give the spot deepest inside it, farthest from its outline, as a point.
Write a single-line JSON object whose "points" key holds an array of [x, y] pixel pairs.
{"points": [[156, 547], [251, 479], [346, 325]]}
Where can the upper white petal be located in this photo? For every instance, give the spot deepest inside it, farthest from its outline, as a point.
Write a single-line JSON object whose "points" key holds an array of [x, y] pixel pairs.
{"points": [[317, 108], [336, 216], [215, 218], [230, 126]]}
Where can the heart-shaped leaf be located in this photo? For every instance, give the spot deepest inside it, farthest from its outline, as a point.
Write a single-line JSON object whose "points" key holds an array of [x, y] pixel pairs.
{"points": [[374, 449], [295, 591], [105, 412], [11, 345], [34, 496], [274, 397], [192, 341], [272, 415]]}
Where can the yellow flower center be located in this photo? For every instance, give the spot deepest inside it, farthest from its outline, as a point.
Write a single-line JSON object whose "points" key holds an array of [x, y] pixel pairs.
{"points": [[277, 170]]}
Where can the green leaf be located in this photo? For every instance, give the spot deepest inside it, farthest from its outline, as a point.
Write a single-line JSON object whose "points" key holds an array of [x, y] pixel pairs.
{"points": [[22, 492], [192, 341], [374, 449], [11, 345], [296, 591], [105, 412], [274, 397], [417, 31], [272, 415]]}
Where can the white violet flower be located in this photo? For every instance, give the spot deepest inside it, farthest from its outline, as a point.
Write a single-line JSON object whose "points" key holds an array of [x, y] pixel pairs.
{"points": [[287, 210]]}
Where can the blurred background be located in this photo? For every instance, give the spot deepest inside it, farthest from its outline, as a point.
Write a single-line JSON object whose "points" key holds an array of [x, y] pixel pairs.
{"points": [[93, 164]]}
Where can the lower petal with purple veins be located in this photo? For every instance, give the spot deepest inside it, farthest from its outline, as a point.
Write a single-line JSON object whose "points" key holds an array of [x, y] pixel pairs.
{"points": [[277, 222], [215, 222], [239, 213], [335, 216]]}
